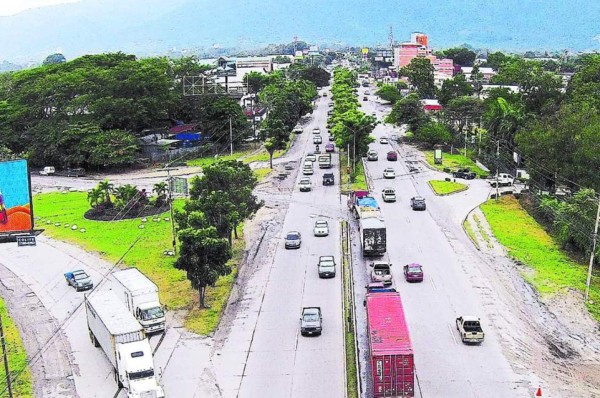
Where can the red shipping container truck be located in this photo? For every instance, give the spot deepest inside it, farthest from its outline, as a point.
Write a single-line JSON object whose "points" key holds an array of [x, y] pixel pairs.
{"points": [[391, 353]]}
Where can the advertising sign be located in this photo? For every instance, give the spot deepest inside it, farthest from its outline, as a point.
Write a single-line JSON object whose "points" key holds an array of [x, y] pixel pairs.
{"points": [[437, 156], [15, 197]]}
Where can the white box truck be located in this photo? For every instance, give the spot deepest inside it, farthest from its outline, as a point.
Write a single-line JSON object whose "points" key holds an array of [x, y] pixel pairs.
{"points": [[140, 296], [124, 342]]}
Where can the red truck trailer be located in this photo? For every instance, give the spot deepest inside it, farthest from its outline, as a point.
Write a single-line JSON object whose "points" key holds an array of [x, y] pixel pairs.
{"points": [[391, 354]]}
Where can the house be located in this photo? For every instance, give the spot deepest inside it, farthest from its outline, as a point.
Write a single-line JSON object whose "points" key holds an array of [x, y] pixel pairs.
{"points": [[487, 73]]}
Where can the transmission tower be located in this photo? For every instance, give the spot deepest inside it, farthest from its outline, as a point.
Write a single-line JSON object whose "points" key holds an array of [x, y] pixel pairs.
{"points": [[391, 38]]}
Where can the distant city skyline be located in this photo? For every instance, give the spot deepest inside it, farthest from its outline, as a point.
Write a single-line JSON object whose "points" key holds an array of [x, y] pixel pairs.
{"points": [[13, 7]]}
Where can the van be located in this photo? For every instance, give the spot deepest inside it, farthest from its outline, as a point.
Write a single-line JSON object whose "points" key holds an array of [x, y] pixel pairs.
{"points": [[388, 194], [503, 180], [48, 170]]}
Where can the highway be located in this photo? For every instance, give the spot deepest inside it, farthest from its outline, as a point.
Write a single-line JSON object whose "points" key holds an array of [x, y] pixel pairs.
{"points": [[263, 354], [433, 238]]}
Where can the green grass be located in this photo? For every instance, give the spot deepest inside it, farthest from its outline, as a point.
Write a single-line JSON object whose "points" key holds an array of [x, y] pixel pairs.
{"points": [[446, 187], [454, 161], [210, 159], [470, 232], [22, 386], [358, 180], [261, 173], [551, 271], [482, 232], [349, 340], [263, 156], [112, 240]]}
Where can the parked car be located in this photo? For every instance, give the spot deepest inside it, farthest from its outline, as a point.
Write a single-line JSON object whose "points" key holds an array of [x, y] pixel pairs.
{"points": [[330, 104], [321, 228], [388, 194], [326, 267], [311, 157], [305, 185], [78, 172], [293, 240], [328, 179], [47, 171], [297, 130], [79, 279], [329, 148], [384, 140], [417, 203], [469, 328], [465, 173], [392, 156], [503, 180], [381, 272], [372, 155], [413, 273], [389, 173], [317, 139], [311, 321], [316, 130]]}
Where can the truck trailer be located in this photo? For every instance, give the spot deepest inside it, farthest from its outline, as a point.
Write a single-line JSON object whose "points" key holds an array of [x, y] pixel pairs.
{"points": [[390, 349], [372, 236], [122, 338], [140, 296]]}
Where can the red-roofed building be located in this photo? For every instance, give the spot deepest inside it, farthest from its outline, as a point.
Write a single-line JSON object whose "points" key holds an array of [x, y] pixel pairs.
{"points": [[183, 128]]}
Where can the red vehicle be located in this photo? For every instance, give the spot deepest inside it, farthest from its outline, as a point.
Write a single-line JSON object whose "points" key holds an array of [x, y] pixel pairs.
{"points": [[392, 156], [413, 272], [391, 353]]}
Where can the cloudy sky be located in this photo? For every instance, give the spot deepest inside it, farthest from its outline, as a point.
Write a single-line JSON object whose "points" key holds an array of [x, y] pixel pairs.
{"points": [[12, 7]]}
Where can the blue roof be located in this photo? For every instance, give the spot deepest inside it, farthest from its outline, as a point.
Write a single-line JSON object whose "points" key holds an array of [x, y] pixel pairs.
{"points": [[367, 201]]}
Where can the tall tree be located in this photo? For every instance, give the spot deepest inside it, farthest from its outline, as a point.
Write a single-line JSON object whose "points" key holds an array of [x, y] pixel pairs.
{"points": [[408, 110], [454, 88], [420, 73]]}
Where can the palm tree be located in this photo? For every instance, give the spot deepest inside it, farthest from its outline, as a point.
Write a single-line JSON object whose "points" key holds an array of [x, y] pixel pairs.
{"points": [[160, 189], [94, 196], [106, 188]]}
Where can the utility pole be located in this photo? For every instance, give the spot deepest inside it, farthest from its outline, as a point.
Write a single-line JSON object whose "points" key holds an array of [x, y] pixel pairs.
{"points": [[594, 239], [230, 138], [497, 169], [170, 186], [5, 358]]}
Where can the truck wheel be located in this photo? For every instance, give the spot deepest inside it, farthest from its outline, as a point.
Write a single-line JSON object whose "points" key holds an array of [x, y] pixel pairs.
{"points": [[117, 380], [94, 340]]}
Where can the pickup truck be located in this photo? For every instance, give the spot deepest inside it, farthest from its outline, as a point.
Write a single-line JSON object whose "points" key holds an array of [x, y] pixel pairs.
{"points": [[79, 279], [311, 321], [464, 173], [328, 179], [470, 330], [381, 273]]}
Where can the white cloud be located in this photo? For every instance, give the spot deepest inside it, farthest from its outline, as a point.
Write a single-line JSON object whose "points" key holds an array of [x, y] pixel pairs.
{"points": [[12, 7]]}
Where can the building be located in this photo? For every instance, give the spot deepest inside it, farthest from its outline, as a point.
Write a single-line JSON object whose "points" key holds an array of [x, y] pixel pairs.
{"points": [[431, 105], [418, 47], [487, 73]]}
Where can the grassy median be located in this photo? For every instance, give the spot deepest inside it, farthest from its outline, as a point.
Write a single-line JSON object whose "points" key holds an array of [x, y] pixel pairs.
{"points": [[358, 180], [349, 332], [441, 187], [550, 270], [454, 161], [17, 359], [141, 245]]}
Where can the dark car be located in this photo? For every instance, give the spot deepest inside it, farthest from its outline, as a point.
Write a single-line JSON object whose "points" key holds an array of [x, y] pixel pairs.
{"points": [[331, 138], [329, 148], [417, 203], [413, 273], [392, 156], [293, 240], [328, 179], [79, 279], [365, 98], [464, 173], [79, 172]]}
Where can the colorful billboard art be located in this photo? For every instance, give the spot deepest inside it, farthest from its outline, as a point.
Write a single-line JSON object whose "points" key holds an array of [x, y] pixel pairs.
{"points": [[15, 197]]}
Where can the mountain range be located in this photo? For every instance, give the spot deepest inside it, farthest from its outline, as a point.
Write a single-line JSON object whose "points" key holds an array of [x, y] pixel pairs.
{"points": [[148, 27]]}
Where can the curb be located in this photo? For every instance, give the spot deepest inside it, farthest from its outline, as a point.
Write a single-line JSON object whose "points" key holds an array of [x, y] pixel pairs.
{"points": [[447, 194], [462, 224]]}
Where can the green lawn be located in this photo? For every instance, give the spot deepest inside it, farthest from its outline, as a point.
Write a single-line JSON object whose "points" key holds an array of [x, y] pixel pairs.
{"points": [[551, 270], [441, 187], [261, 173], [17, 358], [454, 161], [360, 180], [246, 156], [140, 245]]}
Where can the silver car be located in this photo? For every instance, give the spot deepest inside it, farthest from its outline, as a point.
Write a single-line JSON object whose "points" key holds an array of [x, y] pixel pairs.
{"points": [[321, 228], [293, 240]]}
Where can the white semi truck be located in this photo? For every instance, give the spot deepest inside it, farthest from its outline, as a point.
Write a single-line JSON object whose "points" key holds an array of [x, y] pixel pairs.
{"points": [[140, 296], [125, 344]]}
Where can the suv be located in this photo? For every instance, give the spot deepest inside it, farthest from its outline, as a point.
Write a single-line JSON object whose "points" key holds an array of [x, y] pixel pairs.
{"points": [[328, 179], [311, 321], [326, 267], [372, 155], [381, 273], [464, 173], [417, 203], [79, 172]]}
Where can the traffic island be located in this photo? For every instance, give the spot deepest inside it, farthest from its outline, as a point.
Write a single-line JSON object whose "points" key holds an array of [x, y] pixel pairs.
{"points": [[443, 188]]}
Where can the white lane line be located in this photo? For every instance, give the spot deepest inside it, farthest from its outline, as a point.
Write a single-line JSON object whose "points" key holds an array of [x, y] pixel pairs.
{"points": [[452, 334], [433, 283]]}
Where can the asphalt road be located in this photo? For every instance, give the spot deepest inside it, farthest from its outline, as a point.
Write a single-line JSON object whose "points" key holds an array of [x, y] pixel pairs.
{"points": [[433, 238], [264, 354]]}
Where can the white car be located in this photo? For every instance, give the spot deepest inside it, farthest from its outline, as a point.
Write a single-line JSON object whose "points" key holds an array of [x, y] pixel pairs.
{"points": [[388, 194], [307, 171], [316, 131], [305, 185], [384, 140], [311, 157], [321, 228], [389, 173], [317, 139]]}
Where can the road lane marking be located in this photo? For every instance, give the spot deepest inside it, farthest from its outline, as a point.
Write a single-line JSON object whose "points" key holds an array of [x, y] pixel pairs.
{"points": [[452, 334], [433, 285]]}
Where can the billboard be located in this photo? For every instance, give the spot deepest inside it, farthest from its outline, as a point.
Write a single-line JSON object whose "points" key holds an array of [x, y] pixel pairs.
{"points": [[16, 213]]}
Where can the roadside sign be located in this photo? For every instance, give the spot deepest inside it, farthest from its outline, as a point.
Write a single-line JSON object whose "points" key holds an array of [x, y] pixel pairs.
{"points": [[437, 156], [26, 241], [178, 186]]}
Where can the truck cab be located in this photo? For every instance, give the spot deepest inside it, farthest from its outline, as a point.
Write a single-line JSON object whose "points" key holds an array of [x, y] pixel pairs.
{"points": [[470, 330], [502, 180], [381, 272]]}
